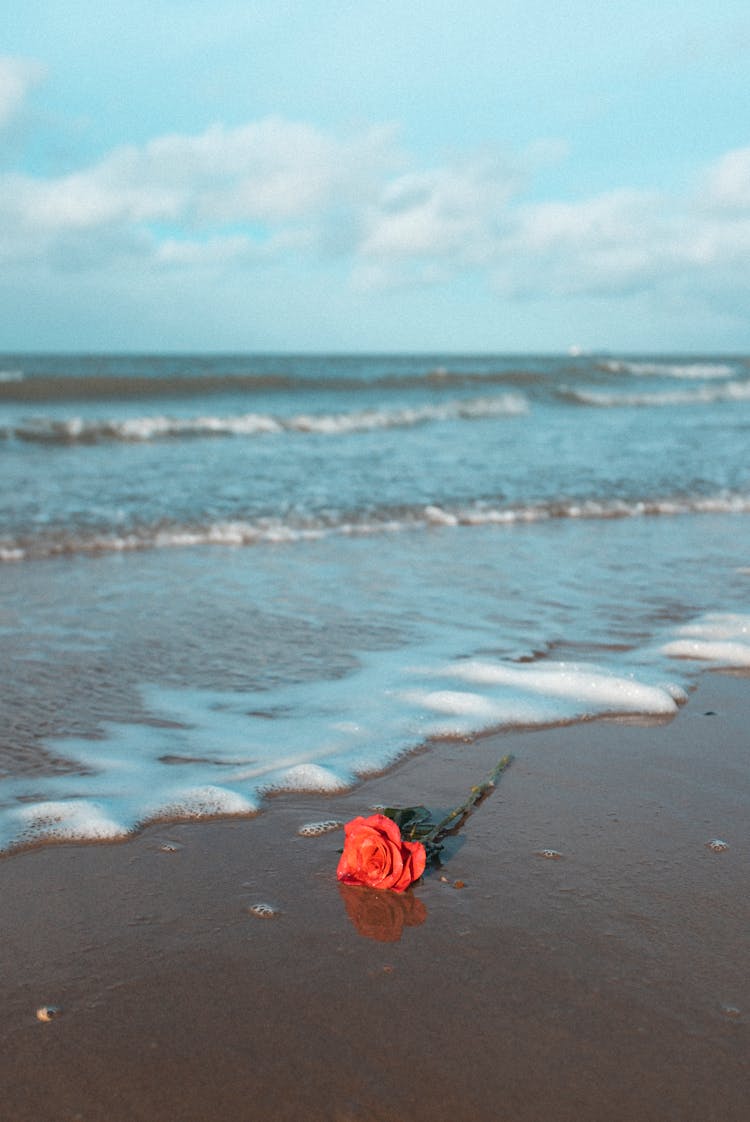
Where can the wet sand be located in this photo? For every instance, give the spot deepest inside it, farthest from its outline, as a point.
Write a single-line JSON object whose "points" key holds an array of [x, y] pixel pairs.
{"points": [[609, 983]]}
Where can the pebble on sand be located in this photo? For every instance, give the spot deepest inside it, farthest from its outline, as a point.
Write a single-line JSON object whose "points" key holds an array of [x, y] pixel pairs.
{"points": [[48, 1012]]}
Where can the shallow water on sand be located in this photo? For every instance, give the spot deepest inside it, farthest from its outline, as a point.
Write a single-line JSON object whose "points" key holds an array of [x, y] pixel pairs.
{"points": [[365, 554], [193, 682]]}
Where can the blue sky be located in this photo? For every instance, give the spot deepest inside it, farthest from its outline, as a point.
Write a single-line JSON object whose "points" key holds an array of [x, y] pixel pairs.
{"points": [[509, 176]]}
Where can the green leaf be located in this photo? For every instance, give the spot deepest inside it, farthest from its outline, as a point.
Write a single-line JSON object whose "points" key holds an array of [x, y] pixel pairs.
{"points": [[409, 819]]}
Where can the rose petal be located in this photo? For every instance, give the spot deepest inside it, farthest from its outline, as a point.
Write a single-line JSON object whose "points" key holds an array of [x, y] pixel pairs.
{"points": [[418, 858], [355, 824], [368, 857], [392, 868], [375, 855], [386, 826], [414, 858]]}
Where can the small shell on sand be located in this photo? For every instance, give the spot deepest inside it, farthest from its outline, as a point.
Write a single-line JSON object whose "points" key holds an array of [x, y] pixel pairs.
{"points": [[550, 854], [716, 845], [263, 911], [315, 829], [48, 1012]]}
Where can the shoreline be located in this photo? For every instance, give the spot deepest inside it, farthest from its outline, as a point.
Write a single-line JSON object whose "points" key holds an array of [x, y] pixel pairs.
{"points": [[610, 983]]}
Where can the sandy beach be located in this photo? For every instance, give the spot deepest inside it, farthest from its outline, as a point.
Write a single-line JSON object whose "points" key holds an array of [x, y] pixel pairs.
{"points": [[610, 982], [374, 409]]}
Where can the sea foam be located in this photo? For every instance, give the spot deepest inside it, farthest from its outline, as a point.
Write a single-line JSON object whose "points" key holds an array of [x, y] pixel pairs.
{"points": [[529, 694], [78, 430], [719, 638], [590, 686], [702, 395], [275, 530], [670, 369], [206, 755]]}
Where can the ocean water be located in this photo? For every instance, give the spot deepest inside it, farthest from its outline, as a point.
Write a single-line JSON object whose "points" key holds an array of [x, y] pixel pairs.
{"points": [[226, 575]]}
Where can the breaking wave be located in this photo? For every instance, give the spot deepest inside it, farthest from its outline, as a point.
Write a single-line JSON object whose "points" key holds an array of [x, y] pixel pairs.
{"points": [[703, 395], [77, 430], [670, 369], [283, 530]]}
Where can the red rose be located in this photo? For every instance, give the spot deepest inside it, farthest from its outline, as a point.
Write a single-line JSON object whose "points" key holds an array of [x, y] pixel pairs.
{"points": [[376, 855]]}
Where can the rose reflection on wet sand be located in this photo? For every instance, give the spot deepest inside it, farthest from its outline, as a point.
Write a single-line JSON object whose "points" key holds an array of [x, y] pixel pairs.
{"points": [[381, 914]]}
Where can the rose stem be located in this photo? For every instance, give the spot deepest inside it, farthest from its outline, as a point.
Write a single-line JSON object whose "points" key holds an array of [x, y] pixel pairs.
{"points": [[455, 819]]}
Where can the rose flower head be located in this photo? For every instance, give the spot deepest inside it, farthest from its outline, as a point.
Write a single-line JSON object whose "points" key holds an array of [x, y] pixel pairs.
{"points": [[376, 855]]}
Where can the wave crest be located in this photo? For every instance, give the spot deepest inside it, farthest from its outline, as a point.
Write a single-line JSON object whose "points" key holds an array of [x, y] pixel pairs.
{"points": [[77, 430], [284, 530], [703, 395], [697, 370]]}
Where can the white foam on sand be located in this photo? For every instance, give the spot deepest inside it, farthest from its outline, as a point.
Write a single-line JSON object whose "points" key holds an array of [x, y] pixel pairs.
{"points": [[203, 802], [719, 638], [532, 694], [214, 753], [578, 683], [62, 820], [309, 777]]}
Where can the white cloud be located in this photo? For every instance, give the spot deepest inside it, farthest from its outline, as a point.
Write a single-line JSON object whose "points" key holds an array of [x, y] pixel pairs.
{"points": [[471, 217], [616, 242], [243, 197], [451, 211], [727, 183], [611, 242], [271, 171], [274, 174], [17, 77]]}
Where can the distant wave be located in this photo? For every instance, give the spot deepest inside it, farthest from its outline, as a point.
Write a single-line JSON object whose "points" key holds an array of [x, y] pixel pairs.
{"points": [[289, 529], [36, 389], [10, 376], [702, 395], [76, 430], [670, 369]]}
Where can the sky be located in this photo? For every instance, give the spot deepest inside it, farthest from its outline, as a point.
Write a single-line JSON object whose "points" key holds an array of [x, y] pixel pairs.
{"points": [[516, 175]]}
